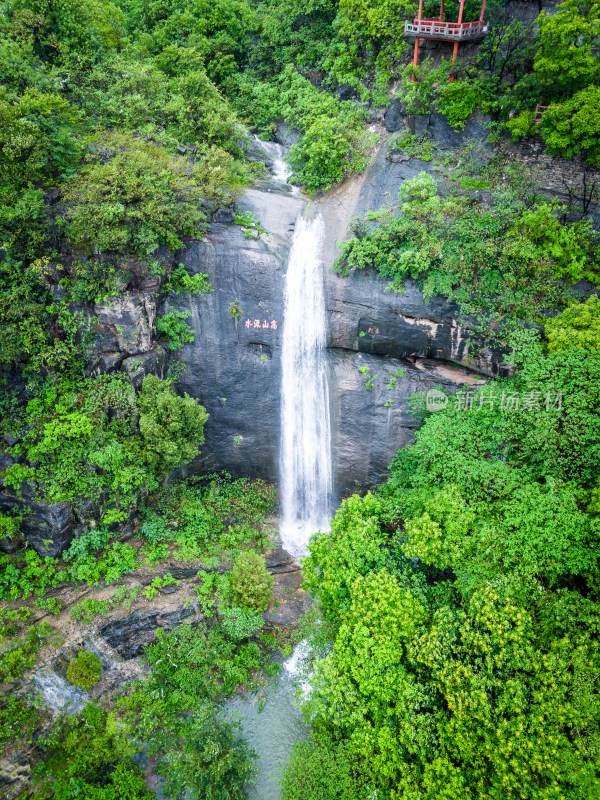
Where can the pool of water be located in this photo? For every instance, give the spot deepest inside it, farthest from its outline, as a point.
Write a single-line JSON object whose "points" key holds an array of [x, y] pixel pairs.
{"points": [[272, 730]]}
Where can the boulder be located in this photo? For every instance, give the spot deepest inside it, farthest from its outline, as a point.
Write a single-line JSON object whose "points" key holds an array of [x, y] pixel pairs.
{"points": [[130, 634], [225, 215], [448, 138], [125, 323], [47, 528], [394, 118], [137, 367], [290, 601]]}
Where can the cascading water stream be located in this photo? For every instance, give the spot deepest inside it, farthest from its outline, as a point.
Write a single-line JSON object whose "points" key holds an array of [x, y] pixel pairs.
{"points": [[306, 482], [274, 151], [305, 462]]}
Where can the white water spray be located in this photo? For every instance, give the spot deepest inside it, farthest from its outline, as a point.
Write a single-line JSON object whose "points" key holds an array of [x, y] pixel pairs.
{"points": [[306, 483], [281, 169]]}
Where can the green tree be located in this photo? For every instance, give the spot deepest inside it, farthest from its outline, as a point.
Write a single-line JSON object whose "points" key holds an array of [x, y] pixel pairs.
{"points": [[89, 755], [214, 763], [84, 670], [572, 127], [131, 198], [566, 61], [250, 584], [171, 427]]}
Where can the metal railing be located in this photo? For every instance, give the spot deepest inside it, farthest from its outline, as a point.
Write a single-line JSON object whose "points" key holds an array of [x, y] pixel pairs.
{"points": [[454, 31]]}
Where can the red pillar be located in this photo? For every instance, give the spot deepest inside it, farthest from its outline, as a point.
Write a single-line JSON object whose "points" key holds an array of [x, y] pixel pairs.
{"points": [[482, 10], [442, 10], [454, 54], [416, 55], [455, 51]]}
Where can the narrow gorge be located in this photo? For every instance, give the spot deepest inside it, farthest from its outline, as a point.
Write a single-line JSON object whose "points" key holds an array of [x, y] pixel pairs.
{"points": [[300, 400]]}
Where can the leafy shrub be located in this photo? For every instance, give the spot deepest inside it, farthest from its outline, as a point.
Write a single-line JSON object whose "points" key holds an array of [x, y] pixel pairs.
{"points": [[577, 326], [131, 198], [18, 722], [572, 127], [81, 446], [86, 611], [155, 529], [115, 561], [87, 545], [172, 427], [158, 583], [40, 336], [182, 282], [250, 584], [22, 655], [84, 670], [328, 152], [10, 526], [175, 330], [26, 573], [241, 623], [90, 754], [36, 137]]}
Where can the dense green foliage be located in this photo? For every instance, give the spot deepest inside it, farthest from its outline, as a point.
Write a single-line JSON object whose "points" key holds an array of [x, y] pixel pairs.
{"points": [[250, 584], [513, 259], [463, 599], [460, 602], [186, 521], [96, 439], [89, 755], [84, 670], [566, 79], [333, 143], [209, 518], [174, 709]]}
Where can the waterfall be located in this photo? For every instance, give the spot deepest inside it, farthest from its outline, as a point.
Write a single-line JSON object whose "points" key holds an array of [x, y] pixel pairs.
{"points": [[281, 170], [306, 483]]}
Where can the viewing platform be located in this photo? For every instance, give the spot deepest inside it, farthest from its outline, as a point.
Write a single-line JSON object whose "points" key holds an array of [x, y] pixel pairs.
{"points": [[448, 31]]}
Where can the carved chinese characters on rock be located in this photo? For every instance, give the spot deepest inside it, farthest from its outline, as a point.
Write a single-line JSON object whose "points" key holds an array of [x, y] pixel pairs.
{"points": [[261, 324]]}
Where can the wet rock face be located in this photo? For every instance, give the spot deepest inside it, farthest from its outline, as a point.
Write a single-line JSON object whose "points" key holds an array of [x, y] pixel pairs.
{"points": [[47, 528], [435, 126], [126, 323], [370, 415], [130, 634], [364, 317], [385, 331], [233, 366]]}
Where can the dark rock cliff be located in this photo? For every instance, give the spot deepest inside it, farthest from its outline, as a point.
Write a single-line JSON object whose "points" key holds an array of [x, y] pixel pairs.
{"points": [[233, 367]]}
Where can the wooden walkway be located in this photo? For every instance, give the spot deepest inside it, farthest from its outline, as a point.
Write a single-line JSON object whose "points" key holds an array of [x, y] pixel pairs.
{"points": [[450, 31]]}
